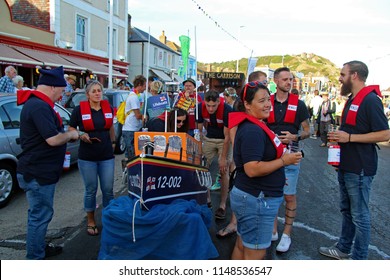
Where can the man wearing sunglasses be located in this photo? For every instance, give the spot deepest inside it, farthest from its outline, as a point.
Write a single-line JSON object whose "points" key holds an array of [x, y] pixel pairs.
{"points": [[289, 119]]}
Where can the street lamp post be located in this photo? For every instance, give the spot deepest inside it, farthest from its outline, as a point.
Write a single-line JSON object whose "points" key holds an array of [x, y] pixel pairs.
{"points": [[239, 35]]}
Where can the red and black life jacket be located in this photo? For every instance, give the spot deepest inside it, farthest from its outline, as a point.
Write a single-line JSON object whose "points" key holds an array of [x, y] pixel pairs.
{"points": [[358, 99], [86, 116], [218, 113], [292, 107], [235, 118]]}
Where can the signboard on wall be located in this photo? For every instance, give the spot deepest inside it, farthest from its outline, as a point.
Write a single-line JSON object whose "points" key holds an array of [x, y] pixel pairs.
{"points": [[224, 75]]}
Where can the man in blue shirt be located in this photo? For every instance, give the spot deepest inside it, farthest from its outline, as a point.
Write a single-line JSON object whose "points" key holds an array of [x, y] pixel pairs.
{"points": [[43, 142], [363, 124], [6, 83]]}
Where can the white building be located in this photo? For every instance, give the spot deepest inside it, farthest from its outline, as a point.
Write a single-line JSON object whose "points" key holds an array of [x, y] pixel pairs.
{"points": [[161, 60]]}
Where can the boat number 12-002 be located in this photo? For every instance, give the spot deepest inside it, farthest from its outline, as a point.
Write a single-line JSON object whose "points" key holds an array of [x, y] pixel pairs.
{"points": [[162, 182]]}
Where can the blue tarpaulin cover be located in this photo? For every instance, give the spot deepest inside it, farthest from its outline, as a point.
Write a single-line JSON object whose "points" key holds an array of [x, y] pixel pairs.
{"points": [[176, 231]]}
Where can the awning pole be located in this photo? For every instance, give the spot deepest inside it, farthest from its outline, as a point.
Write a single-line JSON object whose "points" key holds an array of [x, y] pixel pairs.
{"points": [[110, 38]]}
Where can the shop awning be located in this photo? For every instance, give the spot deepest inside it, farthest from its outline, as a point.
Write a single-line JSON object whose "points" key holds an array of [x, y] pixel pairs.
{"points": [[94, 66], [178, 78], [9, 55], [21, 56], [164, 77], [49, 59]]}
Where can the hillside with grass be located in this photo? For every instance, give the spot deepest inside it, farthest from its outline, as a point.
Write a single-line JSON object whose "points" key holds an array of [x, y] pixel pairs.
{"points": [[311, 65]]}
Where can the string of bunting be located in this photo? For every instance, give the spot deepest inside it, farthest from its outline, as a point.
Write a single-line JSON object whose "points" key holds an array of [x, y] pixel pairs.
{"points": [[218, 25]]}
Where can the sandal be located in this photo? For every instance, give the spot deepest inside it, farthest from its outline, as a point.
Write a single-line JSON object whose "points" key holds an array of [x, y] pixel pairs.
{"points": [[226, 232], [92, 230], [220, 213]]}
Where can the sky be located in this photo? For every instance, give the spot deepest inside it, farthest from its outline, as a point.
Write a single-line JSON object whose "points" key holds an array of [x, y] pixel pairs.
{"points": [[224, 30]]}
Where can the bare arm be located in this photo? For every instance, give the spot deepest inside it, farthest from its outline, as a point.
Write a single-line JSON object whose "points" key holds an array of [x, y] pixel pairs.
{"points": [[223, 163], [62, 138], [371, 137], [232, 134], [137, 114], [263, 168], [306, 129], [112, 133], [287, 136]]}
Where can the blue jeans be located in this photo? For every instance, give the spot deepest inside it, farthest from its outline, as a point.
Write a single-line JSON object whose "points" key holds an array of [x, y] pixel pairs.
{"points": [[40, 212], [128, 138], [356, 224], [90, 172]]}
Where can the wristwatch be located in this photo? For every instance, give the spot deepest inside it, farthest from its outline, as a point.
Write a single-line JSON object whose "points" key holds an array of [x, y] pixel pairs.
{"points": [[81, 133], [299, 138]]}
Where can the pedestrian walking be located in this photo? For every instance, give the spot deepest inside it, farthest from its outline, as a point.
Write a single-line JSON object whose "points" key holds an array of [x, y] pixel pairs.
{"points": [[315, 104], [325, 117]]}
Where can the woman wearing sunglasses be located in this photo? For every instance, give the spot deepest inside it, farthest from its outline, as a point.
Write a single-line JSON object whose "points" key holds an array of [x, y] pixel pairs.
{"points": [[260, 159], [181, 121]]}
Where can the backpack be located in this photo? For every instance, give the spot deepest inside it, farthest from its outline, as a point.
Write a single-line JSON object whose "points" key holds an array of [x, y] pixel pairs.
{"points": [[120, 113]]}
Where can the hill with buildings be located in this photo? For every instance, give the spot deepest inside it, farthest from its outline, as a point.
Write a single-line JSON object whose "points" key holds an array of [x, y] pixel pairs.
{"points": [[311, 65]]}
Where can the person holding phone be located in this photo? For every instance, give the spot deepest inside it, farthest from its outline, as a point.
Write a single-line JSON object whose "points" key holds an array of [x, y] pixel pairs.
{"points": [[94, 118]]}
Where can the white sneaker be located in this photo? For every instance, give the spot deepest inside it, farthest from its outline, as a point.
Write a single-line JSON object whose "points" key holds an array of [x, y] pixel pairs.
{"points": [[284, 243], [275, 236]]}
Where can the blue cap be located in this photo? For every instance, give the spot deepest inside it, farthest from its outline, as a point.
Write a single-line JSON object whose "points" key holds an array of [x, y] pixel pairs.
{"points": [[52, 77]]}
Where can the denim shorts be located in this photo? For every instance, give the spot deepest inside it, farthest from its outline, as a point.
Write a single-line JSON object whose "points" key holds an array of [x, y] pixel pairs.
{"points": [[255, 217], [292, 173]]}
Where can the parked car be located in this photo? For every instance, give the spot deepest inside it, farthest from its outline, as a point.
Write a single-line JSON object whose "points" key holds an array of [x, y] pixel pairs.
{"points": [[10, 143], [115, 97]]}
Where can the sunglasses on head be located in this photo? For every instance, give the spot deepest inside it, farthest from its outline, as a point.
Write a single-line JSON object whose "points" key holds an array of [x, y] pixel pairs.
{"points": [[253, 85]]}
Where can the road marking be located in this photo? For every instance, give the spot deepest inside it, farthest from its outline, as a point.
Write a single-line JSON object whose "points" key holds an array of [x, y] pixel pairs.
{"points": [[332, 237]]}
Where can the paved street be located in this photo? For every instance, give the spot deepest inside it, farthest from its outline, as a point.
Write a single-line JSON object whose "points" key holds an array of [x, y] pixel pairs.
{"points": [[317, 223]]}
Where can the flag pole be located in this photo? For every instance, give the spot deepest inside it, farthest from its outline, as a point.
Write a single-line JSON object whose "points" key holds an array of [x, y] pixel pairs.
{"points": [[175, 120], [147, 78], [247, 70], [166, 121], [196, 79], [110, 39]]}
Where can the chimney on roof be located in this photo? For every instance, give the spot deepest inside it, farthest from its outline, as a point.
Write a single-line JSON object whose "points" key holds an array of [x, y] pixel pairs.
{"points": [[163, 38]]}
